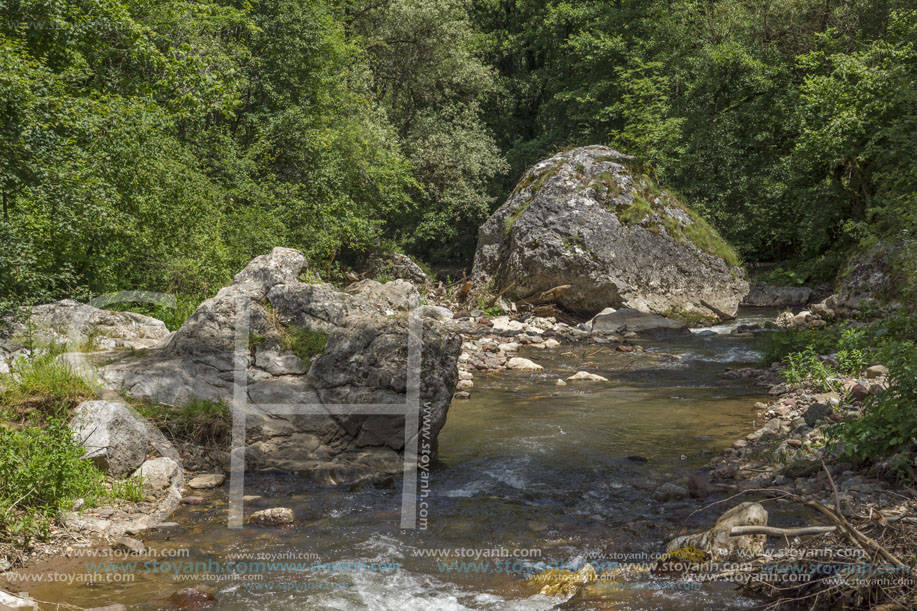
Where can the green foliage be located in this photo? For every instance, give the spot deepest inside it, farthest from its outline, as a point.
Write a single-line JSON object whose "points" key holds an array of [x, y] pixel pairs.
{"points": [[130, 489], [185, 305], [41, 472], [805, 366], [777, 344], [43, 387], [789, 126], [889, 421], [199, 421], [304, 343]]}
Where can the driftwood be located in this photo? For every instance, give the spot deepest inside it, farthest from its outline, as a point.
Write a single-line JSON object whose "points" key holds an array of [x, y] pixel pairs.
{"points": [[716, 310], [773, 531], [493, 300], [549, 296]]}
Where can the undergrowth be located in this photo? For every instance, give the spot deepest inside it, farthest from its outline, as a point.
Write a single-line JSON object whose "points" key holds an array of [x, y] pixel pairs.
{"points": [[207, 423]]}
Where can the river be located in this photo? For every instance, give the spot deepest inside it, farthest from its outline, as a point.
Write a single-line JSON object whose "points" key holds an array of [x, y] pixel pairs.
{"points": [[530, 474]]}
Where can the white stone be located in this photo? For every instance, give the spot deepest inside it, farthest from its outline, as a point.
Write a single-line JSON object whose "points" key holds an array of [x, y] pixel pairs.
{"points": [[503, 323], [551, 343], [522, 364], [206, 481], [586, 376]]}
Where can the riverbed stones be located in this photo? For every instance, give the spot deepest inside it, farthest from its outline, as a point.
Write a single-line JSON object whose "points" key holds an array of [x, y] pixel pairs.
{"points": [[206, 481], [113, 437], [350, 353], [588, 218], [434, 312], [717, 542], [277, 516]]}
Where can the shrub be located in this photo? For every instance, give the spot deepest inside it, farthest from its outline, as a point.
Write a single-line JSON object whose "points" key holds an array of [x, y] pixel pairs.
{"points": [[805, 366], [42, 471], [889, 421]]}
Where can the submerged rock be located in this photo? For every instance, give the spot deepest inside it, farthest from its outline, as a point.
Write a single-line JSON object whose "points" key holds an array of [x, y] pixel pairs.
{"points": [[580, 376], [278, 516], [591, 218]]}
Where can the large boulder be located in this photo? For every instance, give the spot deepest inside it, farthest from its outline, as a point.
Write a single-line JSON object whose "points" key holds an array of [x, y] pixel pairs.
{"points": [[591, 218], [878, 273], [71, 322], [628, 319], [767, 295], [113, 437], [306, 344]]}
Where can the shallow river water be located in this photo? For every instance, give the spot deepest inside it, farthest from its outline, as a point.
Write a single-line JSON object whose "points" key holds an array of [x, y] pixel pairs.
{"points": [[530, 474]]}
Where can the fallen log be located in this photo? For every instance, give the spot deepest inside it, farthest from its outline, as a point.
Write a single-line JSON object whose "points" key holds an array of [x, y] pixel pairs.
{"points": [[773, 531]]}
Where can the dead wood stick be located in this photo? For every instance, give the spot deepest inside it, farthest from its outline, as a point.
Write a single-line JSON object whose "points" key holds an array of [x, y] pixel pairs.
{"points": [[493, 300], [773, 531]]}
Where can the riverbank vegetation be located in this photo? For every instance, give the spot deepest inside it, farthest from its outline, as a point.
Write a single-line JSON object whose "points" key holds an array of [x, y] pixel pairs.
{"points": [[887, 427]]}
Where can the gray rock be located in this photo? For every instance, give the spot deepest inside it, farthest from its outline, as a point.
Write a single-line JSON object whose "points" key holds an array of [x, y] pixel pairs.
{"points": [[13, 601], [79, 326], [876, 371], [871, 275], [561, 227], [670, 492], [159, 475], [816, 412], [628, 319], [350, 354], [717, 541], [767, 295], [398, 265], [395, 295], [113, 437], [129, 545], [434, 312], [278, 516], [206, 481]]}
